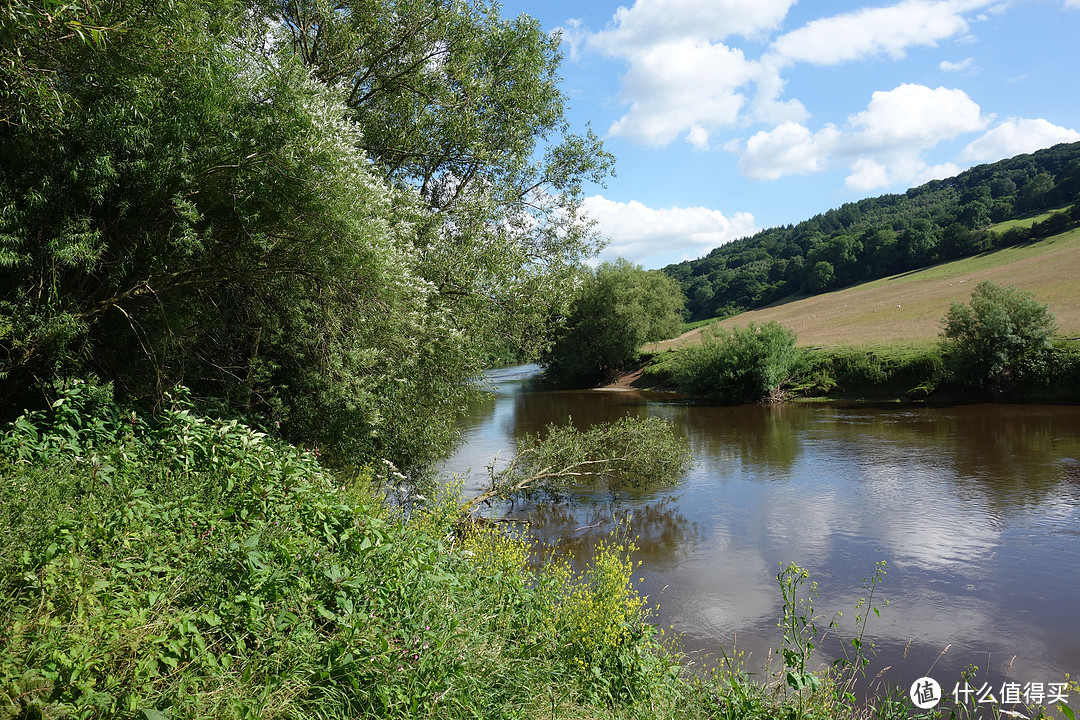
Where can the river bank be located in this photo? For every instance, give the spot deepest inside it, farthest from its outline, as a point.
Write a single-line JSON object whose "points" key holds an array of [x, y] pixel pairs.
{"points": [[890, 372], [972, 506]]}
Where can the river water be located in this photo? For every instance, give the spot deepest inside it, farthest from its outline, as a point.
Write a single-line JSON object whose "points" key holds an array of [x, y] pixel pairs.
{"points": [[975, 510]]}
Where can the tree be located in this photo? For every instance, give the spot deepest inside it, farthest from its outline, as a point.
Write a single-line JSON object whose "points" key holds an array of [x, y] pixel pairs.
{"points": [[464, 106], [617, 308], [984, 341], [821, 277], [180, 203]]}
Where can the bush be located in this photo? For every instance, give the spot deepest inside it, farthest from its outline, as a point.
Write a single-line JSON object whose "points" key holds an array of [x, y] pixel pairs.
{"points": [[740, 365], [984, 342], [886, 371]]}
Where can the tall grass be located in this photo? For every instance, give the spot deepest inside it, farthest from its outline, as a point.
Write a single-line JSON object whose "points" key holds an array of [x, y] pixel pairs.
{"points": [[189, 567]]}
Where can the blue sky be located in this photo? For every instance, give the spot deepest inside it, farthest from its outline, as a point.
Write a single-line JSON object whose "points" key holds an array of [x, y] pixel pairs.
{"points": [[729, 116]]}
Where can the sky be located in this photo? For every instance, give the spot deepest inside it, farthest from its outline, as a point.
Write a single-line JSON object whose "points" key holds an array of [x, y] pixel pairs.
{"points": [[730, 116]]}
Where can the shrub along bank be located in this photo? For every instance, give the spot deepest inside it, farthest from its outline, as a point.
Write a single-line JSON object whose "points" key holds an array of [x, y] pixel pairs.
{"points": [[902, 371], [1001, 347], [195, 568]]}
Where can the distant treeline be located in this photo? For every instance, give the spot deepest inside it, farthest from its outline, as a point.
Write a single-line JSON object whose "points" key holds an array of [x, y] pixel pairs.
{"points": [[877, 237]]}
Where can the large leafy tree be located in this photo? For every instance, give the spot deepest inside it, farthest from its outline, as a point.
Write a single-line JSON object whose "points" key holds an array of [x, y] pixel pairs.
{"points": [[464, 106], [617, 308], [180, 202], [986, 339]]}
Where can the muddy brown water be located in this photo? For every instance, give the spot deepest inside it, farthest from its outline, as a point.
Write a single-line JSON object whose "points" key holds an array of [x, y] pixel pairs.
{"points": [[975, 510]]}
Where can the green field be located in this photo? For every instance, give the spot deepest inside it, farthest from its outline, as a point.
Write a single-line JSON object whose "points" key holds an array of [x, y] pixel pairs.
{"points": [[908, 307], [1025, 222]]}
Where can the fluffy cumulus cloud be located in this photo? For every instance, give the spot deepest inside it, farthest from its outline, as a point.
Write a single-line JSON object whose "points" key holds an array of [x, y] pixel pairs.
{"points": [[682, 81], [1015, 136], [698, 69], [788, 149], [868, 174], [875, 31], [683, 88], [655, 22], [882, 145], [637, 232], [914, 117], [686, 80]]}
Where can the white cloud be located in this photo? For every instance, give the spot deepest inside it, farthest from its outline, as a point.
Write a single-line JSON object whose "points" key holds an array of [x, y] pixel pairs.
{"points": [[1015, 136], [656, 22], [964, 64], [682, 81], [888, 139], [638, 232], [912, 117], [902, 171], [867, 174], [875, 31], [883, 145], [788, 149], [675, 87], [685, 80], [1074, 4]]}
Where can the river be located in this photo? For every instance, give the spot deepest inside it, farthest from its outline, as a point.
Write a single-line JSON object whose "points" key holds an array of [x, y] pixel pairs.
{"points": [[975, 510]]}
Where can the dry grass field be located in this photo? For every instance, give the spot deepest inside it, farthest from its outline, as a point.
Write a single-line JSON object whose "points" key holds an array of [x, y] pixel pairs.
{"points": [[909, 307]]}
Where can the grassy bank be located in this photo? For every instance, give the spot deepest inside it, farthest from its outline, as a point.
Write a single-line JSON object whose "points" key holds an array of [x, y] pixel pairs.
{"points": [[195, 568], [187, 567]]}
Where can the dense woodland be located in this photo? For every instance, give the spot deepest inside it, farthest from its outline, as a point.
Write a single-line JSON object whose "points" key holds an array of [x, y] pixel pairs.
{"points": [[322, 217], [877, 237]]}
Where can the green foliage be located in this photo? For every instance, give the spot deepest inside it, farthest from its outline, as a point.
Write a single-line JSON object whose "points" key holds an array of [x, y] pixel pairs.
{"points": [[618, 308], [821, 277], [464, 106], [216, 573], [985, 341], [630, 452], [877, 372], [739, 365], [217, 218], [890, 234]]}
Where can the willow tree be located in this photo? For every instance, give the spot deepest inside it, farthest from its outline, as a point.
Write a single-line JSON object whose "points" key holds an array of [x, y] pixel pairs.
{"points": [[182, 203], [463, 106]]}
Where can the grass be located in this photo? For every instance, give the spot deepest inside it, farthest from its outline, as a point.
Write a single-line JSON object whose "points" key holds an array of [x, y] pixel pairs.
{"points": [[908, 307], [1026, 222]]}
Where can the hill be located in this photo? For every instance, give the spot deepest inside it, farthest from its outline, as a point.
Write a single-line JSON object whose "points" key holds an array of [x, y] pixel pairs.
{"points": [[988, 207], [909, 306]]}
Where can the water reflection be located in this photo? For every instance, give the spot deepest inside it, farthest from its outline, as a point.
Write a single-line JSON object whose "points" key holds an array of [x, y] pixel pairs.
{"points": [[659, 530], [761, 443], [975, 508]]}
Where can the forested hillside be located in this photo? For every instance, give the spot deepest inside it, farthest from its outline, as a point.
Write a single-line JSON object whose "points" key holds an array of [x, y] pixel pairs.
{"points": [[941, 220]]}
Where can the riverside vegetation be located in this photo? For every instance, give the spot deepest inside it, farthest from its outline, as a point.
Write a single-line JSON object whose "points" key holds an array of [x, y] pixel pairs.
{"points": [[183, 566], [1001, 346], [250, 255]]}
